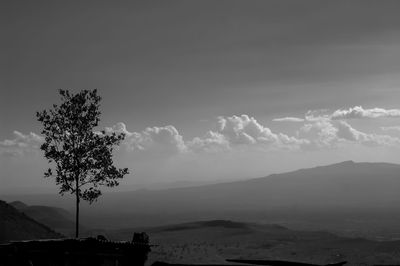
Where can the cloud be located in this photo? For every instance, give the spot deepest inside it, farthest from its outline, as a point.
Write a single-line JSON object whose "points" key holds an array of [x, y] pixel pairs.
{"points": [[288, 119], [328, 134], [243, 130], [321, 134], [21, 144], [159, 139], [232, 131], [394, 128], [318, 132], [358, 112], [118, 128], [211, 142], [162, 139], [346, 132], [236, 132], [317, 115]]}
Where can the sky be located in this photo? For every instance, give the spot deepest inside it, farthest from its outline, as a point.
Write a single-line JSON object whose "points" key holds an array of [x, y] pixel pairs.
{"points": [[205, 91]]}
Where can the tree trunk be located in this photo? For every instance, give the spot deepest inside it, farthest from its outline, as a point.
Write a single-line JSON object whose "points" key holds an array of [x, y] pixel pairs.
{"points": [[77, 211]]}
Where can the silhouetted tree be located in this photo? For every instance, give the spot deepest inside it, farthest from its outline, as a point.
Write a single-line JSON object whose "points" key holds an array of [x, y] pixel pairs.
{"points": [[82, 156]]}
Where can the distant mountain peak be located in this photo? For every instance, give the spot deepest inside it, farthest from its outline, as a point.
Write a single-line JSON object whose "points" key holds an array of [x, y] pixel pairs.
{"points": [[340, 164], [347, 162]]}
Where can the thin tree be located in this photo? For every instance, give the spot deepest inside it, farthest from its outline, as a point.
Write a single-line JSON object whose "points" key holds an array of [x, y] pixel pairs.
{"points": [[82, 157]]}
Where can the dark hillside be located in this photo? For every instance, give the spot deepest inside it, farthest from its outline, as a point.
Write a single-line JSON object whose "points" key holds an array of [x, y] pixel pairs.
{"points": [[15, 225], [53, 217]]}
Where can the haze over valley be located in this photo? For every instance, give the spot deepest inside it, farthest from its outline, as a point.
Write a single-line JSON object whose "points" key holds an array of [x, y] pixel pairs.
{"points": [[348, 198], [223, 129]]}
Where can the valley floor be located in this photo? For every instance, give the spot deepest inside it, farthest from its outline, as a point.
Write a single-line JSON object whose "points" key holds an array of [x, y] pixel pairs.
{"points": [[216, 241]]}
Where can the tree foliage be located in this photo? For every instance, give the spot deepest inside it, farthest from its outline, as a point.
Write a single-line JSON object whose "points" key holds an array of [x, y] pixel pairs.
{"points": [[82, 156]]}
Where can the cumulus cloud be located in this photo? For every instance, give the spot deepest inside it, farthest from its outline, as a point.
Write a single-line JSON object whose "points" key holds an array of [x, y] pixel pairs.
{"points": [[160, 139], [230, 132], [20, 144], [358, 112], [319, 130], [244, 130], [210, 142], [321, 134], [330, 128], [327, 133], [166, 139], [118, 128], [288, 119], [317, 115]]}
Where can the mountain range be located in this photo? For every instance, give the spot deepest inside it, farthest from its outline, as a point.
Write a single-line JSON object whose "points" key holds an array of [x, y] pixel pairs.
{"points": [[345, 184], [359, 195]]}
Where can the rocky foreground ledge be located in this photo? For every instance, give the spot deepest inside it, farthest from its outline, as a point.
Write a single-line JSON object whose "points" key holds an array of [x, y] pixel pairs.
{"points": [[69, 252]]}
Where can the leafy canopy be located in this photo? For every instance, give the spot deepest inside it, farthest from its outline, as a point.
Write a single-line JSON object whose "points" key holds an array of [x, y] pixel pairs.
{"points": [[82, 157]]}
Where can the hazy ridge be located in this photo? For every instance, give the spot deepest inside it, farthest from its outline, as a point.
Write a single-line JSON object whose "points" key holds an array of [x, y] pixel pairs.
{"points": [[342, 197]]}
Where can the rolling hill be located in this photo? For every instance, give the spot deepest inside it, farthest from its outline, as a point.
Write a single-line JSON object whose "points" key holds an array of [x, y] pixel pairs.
{"points": [[53, 217], [15, 225]]}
